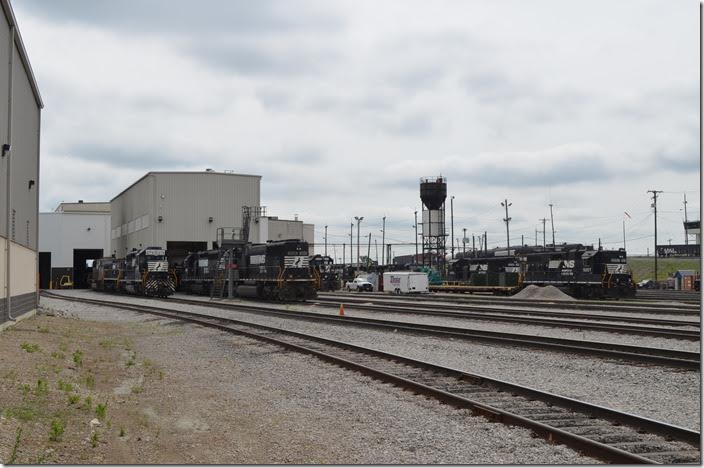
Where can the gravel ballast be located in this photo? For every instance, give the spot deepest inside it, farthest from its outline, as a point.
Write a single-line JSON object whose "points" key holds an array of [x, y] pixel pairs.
{"points": [[669, 395], [235, 400]]}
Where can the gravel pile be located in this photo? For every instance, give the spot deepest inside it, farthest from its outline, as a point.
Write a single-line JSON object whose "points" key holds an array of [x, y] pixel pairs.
{"points": [[550, 293], [242, 401]]}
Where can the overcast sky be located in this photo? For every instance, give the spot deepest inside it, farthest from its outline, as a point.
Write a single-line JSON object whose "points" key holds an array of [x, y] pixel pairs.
{"points": [[342, 106]]}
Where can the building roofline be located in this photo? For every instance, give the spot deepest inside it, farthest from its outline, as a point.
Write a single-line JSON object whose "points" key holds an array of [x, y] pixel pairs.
{"points": [[178, 172], [12, 20]]}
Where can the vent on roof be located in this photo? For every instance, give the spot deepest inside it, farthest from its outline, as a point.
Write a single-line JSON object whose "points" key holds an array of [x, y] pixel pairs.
{"points": [[209, 170]]}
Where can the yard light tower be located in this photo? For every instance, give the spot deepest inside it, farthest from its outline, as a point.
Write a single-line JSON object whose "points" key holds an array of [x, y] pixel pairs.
{"points": [[359, 220], [506, 204], [452, 227], [326, 240]]}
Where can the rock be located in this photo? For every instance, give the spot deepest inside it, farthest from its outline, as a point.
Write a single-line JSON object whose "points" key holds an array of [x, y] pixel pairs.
{"points": [[94, 422]]}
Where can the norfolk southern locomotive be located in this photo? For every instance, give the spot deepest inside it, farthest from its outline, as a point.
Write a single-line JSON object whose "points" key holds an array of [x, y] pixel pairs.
{"points": [[276, 271], [143, 272], [578, 270]]}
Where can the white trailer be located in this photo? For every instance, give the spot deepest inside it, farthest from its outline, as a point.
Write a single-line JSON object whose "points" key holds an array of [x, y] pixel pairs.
{"points": [[405, 282]]}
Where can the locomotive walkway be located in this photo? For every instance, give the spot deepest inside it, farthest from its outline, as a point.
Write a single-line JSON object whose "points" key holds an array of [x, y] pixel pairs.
{"points": [[601, 432]]}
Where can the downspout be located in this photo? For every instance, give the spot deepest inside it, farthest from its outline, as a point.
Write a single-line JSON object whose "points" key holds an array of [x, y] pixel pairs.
{"points": [[8, 155]]}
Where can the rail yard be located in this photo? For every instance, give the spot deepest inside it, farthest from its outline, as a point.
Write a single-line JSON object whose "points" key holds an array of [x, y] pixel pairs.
{"points": [[612, 394], [350, 233]]}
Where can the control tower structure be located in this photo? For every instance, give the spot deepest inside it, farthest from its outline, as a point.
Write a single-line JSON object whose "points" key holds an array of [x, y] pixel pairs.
{"points": [[433, 192]]}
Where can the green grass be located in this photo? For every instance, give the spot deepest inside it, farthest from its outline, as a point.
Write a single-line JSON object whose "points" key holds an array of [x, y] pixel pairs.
{"points": [[65, 386], [78, 357], [42, 387], [644, 267], [23, 413], [101, 409], [56, 430], [30, 348]]}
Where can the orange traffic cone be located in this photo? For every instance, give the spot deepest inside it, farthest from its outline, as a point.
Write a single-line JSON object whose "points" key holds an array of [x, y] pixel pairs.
{"points": [[342, 310]]}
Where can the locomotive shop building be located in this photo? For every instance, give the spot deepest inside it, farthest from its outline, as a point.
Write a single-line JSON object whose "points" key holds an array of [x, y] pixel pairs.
{"points": [[69, 236], [179, 211], [20, 117]]}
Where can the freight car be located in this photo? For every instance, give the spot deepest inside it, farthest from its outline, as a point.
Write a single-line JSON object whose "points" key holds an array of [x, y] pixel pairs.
{"points": [[143, 272], [578, 270], [276, 271]]}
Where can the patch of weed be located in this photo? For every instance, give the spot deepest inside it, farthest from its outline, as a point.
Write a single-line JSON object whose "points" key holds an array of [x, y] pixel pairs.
{"points": [[132, 359], [13, 456], [23, 413], [58, 355], [78, 357], [107, 344], [73, 399], [122, 431], [30, 348], [65, 386], [137, 389], [43, 329], [94, 440], [26, 388], [101, 409], [90, 381], [148, 363], [88, 403], [42, 387], [56, 430], [63, 347]]}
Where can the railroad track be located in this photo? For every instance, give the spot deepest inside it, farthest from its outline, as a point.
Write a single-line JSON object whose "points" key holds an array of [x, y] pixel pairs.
{"points": [[622, 306], [627, 353], [597, 431], [529, 316], [668, 295]]}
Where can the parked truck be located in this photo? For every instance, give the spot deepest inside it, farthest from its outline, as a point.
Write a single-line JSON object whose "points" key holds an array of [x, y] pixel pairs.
{"points": [[405, 282]]}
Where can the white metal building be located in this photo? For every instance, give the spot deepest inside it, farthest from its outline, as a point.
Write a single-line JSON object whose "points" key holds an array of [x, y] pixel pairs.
{"points": [[20, 117], [70, 235], [271, 228], [180, 211]]}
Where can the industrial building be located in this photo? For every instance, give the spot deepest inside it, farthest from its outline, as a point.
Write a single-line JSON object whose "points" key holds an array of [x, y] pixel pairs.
{"points": [[20, 117], [182, 211], [68, 237]]}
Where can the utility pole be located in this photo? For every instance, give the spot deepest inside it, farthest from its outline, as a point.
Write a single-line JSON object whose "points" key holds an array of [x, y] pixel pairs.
{"points": [[326, 240], [522, 240], [369, 249], [383, 237], [343, 255], [359, 220], [351, 245], [334, 253], [686, 236], [624, 234], [452, 227], [464, 241], [552, 226], [486, 244], [474, 249], [415, 260], [506, 204], [376, 252], [543, 220], [655, 207]]}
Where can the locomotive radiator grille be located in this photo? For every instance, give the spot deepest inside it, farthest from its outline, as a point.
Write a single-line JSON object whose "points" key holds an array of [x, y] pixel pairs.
{"points": [[162, 265], [296, 261]]}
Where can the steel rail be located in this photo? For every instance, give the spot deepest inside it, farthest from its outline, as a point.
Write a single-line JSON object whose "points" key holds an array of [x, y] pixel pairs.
{"points": [[638, 307], [531, 317], [662, 356], [609, 432]]}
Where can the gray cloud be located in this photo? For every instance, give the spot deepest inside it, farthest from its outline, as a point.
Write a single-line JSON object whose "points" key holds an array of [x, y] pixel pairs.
{"points": [[127, 155], [182, 17]]}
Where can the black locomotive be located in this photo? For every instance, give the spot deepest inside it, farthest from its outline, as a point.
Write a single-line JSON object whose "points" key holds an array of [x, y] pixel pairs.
{"points": [[143, 272], [322, 269], [579, 270], [276, 270]]}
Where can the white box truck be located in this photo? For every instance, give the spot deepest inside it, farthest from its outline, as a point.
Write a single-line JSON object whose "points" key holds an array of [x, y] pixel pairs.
{"points": [[405, 282]]}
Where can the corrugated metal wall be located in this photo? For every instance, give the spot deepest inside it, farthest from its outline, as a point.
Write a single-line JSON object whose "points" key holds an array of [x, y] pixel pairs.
{"points": [[185, 201], [25, 146], [60, 233]]}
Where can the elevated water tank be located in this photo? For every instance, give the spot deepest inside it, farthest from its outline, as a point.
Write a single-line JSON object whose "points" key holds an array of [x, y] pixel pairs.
{"points": [[433, 192]]}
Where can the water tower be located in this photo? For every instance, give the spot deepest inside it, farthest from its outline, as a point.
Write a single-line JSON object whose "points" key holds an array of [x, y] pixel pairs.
{"points": [[433, 192]]}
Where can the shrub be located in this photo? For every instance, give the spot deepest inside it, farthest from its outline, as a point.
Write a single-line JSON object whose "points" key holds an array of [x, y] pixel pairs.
{"points": [[30, 348], [57, 430]]}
